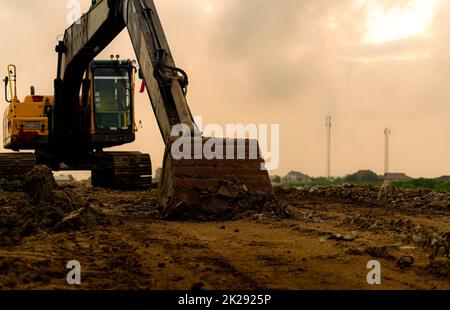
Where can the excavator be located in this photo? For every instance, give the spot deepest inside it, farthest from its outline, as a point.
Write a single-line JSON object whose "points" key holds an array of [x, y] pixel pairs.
{"points": [[93, 109]]}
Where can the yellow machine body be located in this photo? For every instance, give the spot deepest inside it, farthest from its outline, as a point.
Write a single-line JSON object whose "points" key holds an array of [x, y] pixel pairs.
{"points": [[25, 124]]}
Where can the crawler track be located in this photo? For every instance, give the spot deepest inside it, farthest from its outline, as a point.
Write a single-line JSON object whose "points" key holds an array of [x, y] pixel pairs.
{"points": [[125, 170], [15, 165]]}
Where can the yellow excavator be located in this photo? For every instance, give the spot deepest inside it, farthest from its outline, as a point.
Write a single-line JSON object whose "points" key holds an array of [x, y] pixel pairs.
{"points": [[92, 109]]}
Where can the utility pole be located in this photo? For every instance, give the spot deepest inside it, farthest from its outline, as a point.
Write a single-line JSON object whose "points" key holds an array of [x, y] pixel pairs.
{"points": [[328, 155], [387, 133]]}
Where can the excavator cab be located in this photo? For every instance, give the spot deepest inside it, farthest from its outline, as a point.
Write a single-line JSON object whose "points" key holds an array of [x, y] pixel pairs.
{"points": [[111, 102]]}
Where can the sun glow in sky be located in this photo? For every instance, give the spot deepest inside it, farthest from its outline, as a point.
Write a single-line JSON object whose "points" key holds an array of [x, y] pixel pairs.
{"points": [[410, 18], [209, 8]]}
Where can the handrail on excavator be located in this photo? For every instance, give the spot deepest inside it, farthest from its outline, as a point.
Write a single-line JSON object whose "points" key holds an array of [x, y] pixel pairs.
{"points": [[11, 80], [6, 80]]}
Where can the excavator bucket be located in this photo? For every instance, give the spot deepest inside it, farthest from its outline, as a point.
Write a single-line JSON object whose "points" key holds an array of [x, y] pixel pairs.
{"points": [[206, 176]]}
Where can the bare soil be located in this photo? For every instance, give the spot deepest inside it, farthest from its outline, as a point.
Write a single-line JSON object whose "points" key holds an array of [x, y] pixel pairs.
{"points": [[322, 239]]}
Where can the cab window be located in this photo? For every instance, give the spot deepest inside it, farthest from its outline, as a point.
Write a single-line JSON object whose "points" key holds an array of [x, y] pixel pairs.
{"points": [[112, 99]]}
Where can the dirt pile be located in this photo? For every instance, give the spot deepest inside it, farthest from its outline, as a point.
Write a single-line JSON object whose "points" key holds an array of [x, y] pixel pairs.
{"points": [[45, 208], [231, 200], [439, 266], [439, 244], [39, 184], [418, 198], [435, 241]]}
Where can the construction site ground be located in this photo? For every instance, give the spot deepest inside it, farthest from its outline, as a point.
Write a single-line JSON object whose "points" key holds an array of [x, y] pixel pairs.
{"points": [[325, 243]]}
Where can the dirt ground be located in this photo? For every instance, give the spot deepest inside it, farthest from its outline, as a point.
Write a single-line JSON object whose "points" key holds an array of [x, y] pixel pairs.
{"points": [[325, 243]]}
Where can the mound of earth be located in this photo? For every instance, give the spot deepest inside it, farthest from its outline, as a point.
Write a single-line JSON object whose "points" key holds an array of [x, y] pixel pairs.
{"points": [[439, 266], [418, 198], [39, 184], [46, 208], [232, 200]]}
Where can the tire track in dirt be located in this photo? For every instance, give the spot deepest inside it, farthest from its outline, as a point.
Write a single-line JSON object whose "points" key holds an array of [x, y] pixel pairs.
{"points": [[184, 261], [276, 256]]}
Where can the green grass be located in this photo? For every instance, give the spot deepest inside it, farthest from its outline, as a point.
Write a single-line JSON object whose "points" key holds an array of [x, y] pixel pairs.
{"points": [[424, 183], [334, 181], [433, 184]]}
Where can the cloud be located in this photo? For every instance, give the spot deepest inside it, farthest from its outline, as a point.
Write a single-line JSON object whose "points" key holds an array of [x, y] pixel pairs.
{"points": [[283, 47]]}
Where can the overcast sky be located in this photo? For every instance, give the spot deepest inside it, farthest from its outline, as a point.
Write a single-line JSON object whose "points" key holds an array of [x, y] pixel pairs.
{"points": [[370, 64]]}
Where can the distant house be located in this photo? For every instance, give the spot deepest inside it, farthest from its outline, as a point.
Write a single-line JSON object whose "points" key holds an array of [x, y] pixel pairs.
{"points": [[391, 176], [295, 177], [365, 174], [362, 176]]}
